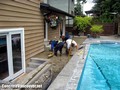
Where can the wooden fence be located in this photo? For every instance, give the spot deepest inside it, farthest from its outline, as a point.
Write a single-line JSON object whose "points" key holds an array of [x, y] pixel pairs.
{"points": [[109, 29]]}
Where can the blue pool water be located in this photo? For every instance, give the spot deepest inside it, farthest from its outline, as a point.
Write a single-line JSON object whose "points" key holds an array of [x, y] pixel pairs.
{"points": [[102, 68]]}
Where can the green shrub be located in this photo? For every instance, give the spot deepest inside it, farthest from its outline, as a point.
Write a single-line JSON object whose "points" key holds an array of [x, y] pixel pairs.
{"points": [[81, 23], [96, 29]]}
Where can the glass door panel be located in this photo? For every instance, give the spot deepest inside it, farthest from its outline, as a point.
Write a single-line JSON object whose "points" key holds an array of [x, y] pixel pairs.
{"points": [[4, 72], [16, 52], [12, 53]]}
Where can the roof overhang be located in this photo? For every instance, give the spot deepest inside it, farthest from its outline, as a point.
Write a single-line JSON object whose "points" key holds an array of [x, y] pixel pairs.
{"points": [[47, 9]]}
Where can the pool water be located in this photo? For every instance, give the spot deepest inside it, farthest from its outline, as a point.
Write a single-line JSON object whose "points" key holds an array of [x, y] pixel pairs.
{"points": [[102, 68]]}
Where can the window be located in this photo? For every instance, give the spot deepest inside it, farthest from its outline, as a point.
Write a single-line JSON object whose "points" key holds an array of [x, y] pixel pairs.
{"points": [[12, 56]]}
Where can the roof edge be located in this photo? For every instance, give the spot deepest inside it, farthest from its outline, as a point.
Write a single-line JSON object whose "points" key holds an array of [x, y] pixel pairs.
{"points": [[47, 7]]}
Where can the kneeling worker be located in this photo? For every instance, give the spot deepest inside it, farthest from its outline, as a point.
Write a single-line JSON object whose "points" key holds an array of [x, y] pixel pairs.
{"points": [[69, 45], [58, 47]]}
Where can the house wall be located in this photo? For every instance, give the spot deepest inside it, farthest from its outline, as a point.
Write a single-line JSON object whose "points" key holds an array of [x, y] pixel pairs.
{"points": [[26, 14], [71, 10], [53, 33], [60, 4], [64, 5]]}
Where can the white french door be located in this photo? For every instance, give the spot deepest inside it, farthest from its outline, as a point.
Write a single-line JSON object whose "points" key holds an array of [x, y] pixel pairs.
{"points": [[12, 53]]}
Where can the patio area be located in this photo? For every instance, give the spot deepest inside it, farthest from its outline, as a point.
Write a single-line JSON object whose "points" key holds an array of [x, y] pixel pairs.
{"points": [[69, 77]]}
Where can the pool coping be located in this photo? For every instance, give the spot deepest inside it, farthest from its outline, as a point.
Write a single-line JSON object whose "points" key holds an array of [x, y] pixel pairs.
{"points": [[68, 78]]}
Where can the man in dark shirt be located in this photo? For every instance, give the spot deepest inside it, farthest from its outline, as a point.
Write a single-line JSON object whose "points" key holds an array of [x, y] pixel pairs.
{"points": [[58, 47]]}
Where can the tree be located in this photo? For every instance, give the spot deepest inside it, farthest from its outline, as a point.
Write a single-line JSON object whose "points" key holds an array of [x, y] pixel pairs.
{"points": [[107, 8], [81, 23], [78, 7]]}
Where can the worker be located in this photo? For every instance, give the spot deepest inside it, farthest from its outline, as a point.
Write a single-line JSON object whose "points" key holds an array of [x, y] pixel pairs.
{"points": [[53, 43], [58, 47], [69, 45], [67, 36]]}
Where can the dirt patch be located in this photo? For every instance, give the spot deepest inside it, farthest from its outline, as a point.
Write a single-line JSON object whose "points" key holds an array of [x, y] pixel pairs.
{"points": [[58, 62]]}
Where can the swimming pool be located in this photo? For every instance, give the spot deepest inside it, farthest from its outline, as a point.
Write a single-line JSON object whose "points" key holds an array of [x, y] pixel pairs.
{"points": [[101, 69]]}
